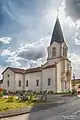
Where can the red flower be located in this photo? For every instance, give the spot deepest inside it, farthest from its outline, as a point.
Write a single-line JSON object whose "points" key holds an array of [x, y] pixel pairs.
{"points": [[1, 89]]}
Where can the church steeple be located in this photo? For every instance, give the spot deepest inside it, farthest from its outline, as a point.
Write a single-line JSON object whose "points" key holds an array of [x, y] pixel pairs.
{"points": [[57, 34]]}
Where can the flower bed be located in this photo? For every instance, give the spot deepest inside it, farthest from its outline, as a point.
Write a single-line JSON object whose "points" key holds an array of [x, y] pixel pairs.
{"points": [[7, 103]]}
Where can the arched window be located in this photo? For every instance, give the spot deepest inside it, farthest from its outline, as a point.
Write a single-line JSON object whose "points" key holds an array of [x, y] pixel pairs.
{"points": [[8, 75], [26, 83], [63, 51], [49, 81], [8, 83], [37, 82], [19, 83], [65, 84], [53, 52]]}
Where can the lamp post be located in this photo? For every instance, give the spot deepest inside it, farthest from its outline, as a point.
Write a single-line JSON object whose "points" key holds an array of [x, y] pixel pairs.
{"points": [[74, 80]]}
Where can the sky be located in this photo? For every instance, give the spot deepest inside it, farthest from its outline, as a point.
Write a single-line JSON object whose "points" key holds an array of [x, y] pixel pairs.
{"points": [[26, 27]]}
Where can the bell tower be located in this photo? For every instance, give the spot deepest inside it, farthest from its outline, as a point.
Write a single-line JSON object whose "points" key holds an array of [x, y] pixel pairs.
{"points": [[58, 47]]}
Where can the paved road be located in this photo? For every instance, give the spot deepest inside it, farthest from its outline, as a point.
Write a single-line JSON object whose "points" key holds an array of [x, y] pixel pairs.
{"points": [[69, 111]]}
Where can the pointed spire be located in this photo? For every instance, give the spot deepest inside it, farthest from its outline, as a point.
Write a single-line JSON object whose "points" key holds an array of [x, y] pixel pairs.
{"points": [[57, 34]]}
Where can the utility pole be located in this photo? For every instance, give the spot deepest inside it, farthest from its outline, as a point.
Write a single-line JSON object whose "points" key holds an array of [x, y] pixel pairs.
{"points": [[74, 80]]}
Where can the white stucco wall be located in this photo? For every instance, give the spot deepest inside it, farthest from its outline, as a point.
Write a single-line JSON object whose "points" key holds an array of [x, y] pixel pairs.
{"points": [[32, 77], [48, 73], [67, 78], [59, 89], [65, 46], [17, 78], [52, 61], [10, 78], [1, 85], [57, 45]]}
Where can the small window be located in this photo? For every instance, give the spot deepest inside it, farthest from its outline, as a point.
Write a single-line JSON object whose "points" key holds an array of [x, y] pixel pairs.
{"points": [[68, 66], [8, 83], [19, 83], [63, 51], [49, 81], [26, 83], [8, 75], [53, 52], [37, 82]]}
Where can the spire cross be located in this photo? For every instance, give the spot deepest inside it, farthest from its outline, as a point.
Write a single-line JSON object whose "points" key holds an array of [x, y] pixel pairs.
{"points": [[58, 7], [57, 11]]}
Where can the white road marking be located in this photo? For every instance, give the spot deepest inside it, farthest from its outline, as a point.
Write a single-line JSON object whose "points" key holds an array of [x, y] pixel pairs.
{"points": [[76, 112], [61, 101]]}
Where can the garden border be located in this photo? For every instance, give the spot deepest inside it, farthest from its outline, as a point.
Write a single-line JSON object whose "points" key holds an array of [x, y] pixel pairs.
{"points": [[16, 112]]}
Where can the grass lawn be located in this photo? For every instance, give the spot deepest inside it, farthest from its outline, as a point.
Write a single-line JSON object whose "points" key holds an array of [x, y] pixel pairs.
{"points": [[5, 105]]}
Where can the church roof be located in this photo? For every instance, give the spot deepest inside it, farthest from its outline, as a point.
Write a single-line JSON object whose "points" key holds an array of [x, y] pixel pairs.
{"points": [[57, 34], [49, 66], [16, 70], [32, 70]]}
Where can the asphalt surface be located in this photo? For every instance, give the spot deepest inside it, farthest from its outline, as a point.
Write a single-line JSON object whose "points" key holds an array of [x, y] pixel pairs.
{"points": [[68, 111]]}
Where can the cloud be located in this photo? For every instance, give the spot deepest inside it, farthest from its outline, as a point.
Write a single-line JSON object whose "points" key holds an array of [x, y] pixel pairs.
{"points": [[72, 9], [5, 40], [1, 70], [75, 61], [32, 55], [34, 51], [7, 52]]}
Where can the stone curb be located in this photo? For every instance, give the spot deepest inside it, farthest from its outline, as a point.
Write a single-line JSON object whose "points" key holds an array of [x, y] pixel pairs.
{"points": [[11, 113]]}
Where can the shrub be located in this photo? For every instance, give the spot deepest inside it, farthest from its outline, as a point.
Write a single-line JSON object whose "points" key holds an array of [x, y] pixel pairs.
{"points": [[11, 99], [34, 92], [74, 91], [50, 92], [69, 91], [1, 94], [32, 98], [40, 92]]}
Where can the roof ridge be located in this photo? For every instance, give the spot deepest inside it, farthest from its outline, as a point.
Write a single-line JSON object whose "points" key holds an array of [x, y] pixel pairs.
{"points": [[16, 68]]}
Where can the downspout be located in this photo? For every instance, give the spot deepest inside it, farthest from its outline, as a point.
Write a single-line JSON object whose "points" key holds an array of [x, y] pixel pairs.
{"points": [[41, 79], [23, 81], [14, 83]]}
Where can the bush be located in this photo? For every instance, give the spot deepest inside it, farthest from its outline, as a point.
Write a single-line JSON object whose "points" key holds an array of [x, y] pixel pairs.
{"points": [[41, 92], [11, 99], [32, 98], [1, 94], [69, 91], [74, 91], [34, 92], [50, 92]]}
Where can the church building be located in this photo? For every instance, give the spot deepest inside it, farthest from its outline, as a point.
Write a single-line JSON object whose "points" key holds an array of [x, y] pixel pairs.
{"points": [[55, 75]]}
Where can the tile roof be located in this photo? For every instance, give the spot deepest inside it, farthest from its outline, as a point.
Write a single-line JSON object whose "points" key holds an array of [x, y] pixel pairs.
{"points": [[49, 66], [76, 81], [16, 70], [32, 70]]}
